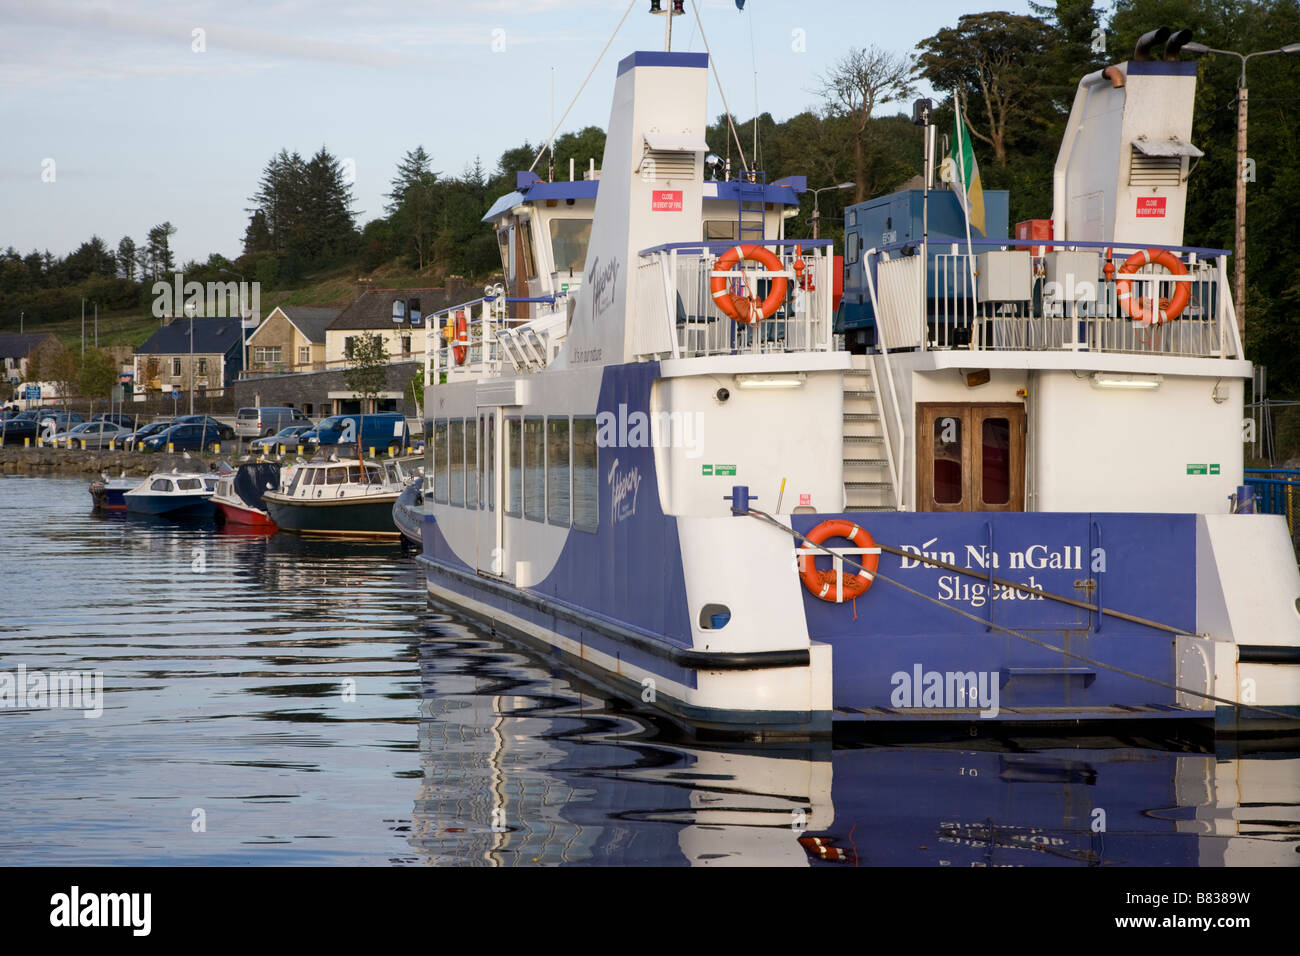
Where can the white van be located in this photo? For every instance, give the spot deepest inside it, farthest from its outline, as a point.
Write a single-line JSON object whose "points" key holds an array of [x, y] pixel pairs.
{"points": [[265, 420]]}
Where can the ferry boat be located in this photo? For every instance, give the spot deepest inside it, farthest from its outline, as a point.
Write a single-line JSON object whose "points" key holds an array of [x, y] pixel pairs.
{"points": [[348, 498], [1010, 496]]}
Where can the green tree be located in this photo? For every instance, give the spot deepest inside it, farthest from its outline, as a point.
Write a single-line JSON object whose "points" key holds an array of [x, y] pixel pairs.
{"points": [[97, 376], [367, 367], [855, 86]]}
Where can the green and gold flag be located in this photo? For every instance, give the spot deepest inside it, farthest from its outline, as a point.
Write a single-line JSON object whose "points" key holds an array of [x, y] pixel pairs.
{"points": [[966, 181]]}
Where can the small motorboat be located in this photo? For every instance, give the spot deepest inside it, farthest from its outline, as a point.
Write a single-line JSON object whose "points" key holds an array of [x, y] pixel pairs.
{"points": [[238, 498], [175, 494], [333, 498], [408, 512], [108, 494]]}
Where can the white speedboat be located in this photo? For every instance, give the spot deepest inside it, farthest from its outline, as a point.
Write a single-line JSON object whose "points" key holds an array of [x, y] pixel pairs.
{"points": [[174, 494]]}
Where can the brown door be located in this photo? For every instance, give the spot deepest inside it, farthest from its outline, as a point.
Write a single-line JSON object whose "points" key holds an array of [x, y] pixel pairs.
{"points": [[971, 457]]}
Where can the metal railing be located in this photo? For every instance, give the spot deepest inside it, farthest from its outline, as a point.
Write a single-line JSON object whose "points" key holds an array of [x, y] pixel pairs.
{"points": [[1276, 491], [678, 317], [490, 339], [957, 308]]}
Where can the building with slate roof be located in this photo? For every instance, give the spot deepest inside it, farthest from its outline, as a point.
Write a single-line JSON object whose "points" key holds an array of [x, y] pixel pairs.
{"points": [[17, 349], [168, 360], [372, 312], [291, 339]]}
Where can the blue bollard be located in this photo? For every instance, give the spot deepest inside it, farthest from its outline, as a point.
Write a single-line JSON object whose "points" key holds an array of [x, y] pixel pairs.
{"points": [[739, 499]]}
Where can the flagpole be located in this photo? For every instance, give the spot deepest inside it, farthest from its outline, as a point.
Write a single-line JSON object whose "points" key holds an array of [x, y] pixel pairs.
{"points": [[965, 193]]}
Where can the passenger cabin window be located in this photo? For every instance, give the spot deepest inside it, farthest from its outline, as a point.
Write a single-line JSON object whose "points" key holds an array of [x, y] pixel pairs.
{"points": [[557, 471], [456, 468], [514, 471], [947, 460], [534, 470], [569, 238], [440, 461], [471, 464], [490, 453], [586, 477]]}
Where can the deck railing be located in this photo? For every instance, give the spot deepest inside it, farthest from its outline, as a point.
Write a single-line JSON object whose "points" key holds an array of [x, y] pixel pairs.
{"points": [[1081, 311], [491, 340], [678, 317], [1277, 492]]}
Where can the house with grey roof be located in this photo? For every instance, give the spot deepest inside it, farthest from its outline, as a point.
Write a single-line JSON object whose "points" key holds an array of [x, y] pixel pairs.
{"points": [[372, 313], [17, 349], [291, 339], [187, 354]]}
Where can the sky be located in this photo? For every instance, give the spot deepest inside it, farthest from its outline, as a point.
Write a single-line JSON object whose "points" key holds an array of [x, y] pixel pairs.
{"points": [[116, 116]]}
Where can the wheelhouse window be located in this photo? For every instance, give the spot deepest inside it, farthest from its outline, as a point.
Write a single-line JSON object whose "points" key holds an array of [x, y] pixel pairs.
{"points": [[534, 469], [569, 238], [586, 475], [719, 229], [557, 471]]}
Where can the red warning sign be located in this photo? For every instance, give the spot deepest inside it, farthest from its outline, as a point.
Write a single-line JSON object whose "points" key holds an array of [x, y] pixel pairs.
{"points": [[1151, 207], [805, 500], [666, 200]]}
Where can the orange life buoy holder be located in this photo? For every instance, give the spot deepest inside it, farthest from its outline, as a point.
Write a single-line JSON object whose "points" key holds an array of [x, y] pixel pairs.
{"points": [[745, 309], [830, 585], [461, 352], [1144, 309]]}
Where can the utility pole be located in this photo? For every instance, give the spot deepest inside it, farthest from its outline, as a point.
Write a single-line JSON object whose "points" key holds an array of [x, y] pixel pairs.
{"points": [[83, 327], [1239, 242]]}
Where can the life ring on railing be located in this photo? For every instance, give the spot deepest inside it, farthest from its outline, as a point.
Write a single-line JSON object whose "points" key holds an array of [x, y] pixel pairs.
{"points": [[460, 351], [823, 584], [742, 308], [1144, 310]]}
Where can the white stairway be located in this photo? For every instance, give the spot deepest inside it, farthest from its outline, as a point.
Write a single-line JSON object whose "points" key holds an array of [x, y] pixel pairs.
{"points": [[867, 483]]}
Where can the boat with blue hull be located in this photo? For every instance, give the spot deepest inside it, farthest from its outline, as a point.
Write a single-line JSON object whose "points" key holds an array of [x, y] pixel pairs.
{"points": [[174, 494], [1011, 496]]}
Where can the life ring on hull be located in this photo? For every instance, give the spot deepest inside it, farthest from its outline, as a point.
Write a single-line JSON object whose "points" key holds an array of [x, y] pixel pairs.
{"points": [[822, 584], [741, 308], [1141, 308], [461, 352]]}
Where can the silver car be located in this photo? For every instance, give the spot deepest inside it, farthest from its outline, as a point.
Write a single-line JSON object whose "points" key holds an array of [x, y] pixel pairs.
{"points": [[95, 434]]}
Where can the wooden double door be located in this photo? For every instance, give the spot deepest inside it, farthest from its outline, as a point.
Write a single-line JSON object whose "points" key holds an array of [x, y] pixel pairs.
{"points": [[970, 457]]}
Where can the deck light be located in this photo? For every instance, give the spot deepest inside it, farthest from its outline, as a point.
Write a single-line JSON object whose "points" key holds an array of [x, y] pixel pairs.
{"points": [[770, 381], [1110, 380]]}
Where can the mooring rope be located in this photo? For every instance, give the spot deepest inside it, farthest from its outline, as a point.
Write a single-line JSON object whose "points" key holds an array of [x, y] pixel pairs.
{"points": [[764, 516]]}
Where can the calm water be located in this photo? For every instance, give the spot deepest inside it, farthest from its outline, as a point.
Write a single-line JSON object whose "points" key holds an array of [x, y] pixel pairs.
{"points": [[271, 701]]}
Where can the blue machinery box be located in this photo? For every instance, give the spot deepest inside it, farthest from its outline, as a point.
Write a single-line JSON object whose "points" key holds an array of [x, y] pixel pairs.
{"points": [[896, 218]]}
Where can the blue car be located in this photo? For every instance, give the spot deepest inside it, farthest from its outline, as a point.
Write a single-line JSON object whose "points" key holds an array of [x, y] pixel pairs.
{"points": [[186, 437]]}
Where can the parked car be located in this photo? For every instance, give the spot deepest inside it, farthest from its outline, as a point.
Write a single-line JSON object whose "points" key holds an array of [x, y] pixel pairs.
{"points": [[14, 430], [290, 437], [153, 428], [263, 421], [94, 434], [116, 418], [52, 423], [188, 436], [382, 431]]}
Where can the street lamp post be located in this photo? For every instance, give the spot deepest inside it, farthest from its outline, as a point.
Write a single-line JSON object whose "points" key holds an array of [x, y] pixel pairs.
{"points": [[1239, 242], [817, 212], [189, 310]]}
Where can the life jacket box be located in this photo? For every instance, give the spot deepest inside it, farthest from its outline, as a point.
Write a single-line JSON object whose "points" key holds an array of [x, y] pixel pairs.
{"points": [[1034, 229]]}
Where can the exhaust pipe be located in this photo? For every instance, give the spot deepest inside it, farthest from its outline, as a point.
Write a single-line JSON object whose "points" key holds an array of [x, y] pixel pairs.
{"points": [[1148, 40], [1175, 44]]}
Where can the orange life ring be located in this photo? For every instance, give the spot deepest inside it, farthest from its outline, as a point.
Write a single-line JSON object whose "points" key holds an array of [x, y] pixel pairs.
{"points": [[823, 584], [742, 308], [460, 351], [1144, 310]]}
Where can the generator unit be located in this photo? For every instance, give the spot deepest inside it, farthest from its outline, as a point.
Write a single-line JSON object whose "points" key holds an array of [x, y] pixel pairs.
{"points": [[891, 222]]}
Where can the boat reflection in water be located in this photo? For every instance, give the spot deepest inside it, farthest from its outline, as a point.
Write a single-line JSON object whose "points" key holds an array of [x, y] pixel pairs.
{"points": [[512, 775]]}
